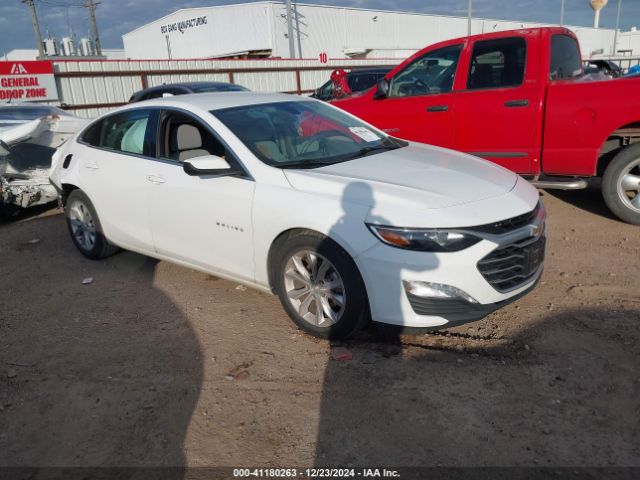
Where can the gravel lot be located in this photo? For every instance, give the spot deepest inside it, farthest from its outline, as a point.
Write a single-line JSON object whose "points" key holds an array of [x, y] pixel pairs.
{"points": [[154, 364]]}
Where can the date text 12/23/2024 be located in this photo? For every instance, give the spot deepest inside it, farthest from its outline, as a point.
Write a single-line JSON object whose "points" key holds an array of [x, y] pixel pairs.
{"points": [[315, 473]]}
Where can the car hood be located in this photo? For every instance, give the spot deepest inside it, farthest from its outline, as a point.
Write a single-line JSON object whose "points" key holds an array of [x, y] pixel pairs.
{"points": [[416, 177]]}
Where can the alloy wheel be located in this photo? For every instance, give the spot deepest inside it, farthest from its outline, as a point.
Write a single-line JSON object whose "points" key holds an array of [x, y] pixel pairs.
{"points": [[314, 288], [83, 227], [629, 185]]}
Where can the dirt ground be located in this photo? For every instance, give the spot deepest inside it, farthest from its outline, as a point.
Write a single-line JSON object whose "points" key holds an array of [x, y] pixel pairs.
{"points": [[154, 364]]}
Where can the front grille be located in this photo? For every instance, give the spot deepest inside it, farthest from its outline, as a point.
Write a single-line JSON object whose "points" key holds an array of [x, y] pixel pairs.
{"points": [[509, 267], [508, 225]]}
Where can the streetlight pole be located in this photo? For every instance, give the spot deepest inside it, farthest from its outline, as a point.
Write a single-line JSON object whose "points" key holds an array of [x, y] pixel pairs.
{"points": [[561, 12], [615, 35], [469, 15]]}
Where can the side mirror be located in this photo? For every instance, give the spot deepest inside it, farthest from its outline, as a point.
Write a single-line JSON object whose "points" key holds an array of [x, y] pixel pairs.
{"points": [[382, 89], [209, 165]]}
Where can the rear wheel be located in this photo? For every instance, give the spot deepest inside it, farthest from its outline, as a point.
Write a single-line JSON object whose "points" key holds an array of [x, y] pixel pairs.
{"points": [[320, 286], [84, 227], [621, 185]]}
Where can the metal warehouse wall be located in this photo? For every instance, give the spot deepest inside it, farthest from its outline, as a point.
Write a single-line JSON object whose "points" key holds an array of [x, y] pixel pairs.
{"points": [[629, 42], [337, 31], [228, 30], [91, 88], [340, 30]]}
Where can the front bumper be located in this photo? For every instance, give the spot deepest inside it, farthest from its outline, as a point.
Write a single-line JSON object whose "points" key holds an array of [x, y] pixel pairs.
{"points": [[385, 269], [458, 312]]}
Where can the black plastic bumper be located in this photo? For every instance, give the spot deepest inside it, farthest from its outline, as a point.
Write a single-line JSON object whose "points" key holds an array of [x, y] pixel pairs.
{"points": [[456, 312]]}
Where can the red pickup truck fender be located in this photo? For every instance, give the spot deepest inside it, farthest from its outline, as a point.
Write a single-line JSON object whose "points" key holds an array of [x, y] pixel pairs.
{"points": [[579, 119]]}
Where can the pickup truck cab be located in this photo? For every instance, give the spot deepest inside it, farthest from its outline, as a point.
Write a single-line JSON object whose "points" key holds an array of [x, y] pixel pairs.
{"points": [[518, 98]]}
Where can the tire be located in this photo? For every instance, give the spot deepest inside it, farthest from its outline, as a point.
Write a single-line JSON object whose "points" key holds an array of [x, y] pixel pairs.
{"points": [[84, 227], [621, 185], [336, 285]]}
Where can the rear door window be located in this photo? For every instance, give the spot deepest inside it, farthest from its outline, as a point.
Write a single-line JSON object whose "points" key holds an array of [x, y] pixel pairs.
{"points": [[497, 63], [126, 132], [565, 58]]}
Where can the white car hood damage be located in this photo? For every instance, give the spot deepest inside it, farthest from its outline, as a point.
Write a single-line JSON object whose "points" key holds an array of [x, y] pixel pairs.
{"points": [[25, 158], [416, 177]]}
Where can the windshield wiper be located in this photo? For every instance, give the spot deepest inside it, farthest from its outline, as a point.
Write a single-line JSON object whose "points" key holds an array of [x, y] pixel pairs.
{"points": [[364, 151], [305, 164]]}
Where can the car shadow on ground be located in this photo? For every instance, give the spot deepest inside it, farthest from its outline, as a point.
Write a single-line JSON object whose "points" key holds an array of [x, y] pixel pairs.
{"points": [[10, 215], [589, 199], [122, 369], [563, 392]]}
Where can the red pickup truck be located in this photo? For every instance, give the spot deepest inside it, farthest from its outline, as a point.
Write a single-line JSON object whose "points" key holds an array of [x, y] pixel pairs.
{"points": [[520, 99]]}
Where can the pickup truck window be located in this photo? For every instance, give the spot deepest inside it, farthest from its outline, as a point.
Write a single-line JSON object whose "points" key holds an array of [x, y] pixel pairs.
{"points": [[497, 63], [565, 58], [429, 74]]}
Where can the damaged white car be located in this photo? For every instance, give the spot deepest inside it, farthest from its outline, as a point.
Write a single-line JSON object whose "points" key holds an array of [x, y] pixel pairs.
{"points": [[29, 135]]}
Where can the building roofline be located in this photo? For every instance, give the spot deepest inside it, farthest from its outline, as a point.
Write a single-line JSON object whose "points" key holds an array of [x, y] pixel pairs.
{"points": [[189, 9], [338, 7]]}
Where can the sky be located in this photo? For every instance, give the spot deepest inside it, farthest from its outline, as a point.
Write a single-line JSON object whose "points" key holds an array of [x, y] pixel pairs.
{"points": [[116, 17]]}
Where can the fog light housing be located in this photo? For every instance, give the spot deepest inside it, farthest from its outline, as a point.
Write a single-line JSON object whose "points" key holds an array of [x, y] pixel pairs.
{"points": [[436, 291]]}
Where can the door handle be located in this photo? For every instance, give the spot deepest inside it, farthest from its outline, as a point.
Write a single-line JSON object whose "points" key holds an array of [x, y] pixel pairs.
{"points": [[517, 103], [91, 166], [438, 108], [156, 179]]}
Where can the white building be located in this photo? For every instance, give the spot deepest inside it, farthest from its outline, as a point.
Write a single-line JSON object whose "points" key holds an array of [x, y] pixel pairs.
{"points": [[260, 30], [32, 54]]}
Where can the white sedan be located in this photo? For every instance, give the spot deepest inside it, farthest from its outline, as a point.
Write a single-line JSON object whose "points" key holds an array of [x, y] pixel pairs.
{"points": [[293, 196]]}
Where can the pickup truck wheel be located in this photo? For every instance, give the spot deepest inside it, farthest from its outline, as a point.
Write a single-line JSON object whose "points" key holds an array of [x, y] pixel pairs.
{"points": [[621, 185], [84, 227], [320, 286]]}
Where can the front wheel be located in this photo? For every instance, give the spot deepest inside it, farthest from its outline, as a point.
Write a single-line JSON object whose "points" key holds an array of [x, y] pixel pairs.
{"points": [[320, 287], [84, 227], [621, 185]]}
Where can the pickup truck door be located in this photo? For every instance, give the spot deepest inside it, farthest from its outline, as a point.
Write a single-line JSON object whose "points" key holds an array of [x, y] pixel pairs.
{"points": [[420, 100], [496, 115]]}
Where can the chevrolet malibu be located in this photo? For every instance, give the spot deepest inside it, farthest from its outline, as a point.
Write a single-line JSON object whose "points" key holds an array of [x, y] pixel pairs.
{"points": [[292, 196]]}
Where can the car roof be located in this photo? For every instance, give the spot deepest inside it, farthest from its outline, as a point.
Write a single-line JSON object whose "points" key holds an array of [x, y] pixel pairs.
{"points": [[189, 85], [220, 100]]}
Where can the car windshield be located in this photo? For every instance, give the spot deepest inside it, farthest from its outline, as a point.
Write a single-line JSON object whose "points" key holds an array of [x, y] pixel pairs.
{"points": [[303, 134], [219, 88]]}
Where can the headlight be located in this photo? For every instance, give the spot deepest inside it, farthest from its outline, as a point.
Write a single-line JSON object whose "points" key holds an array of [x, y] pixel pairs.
{"points": [[426, 240]]}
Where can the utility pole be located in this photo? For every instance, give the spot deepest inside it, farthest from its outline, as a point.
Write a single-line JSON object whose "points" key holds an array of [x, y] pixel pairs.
{"points": [[469, 15], [295, 11], [615, 35], [91, 5], [561, 12], [36, 26], [292, 46]]}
